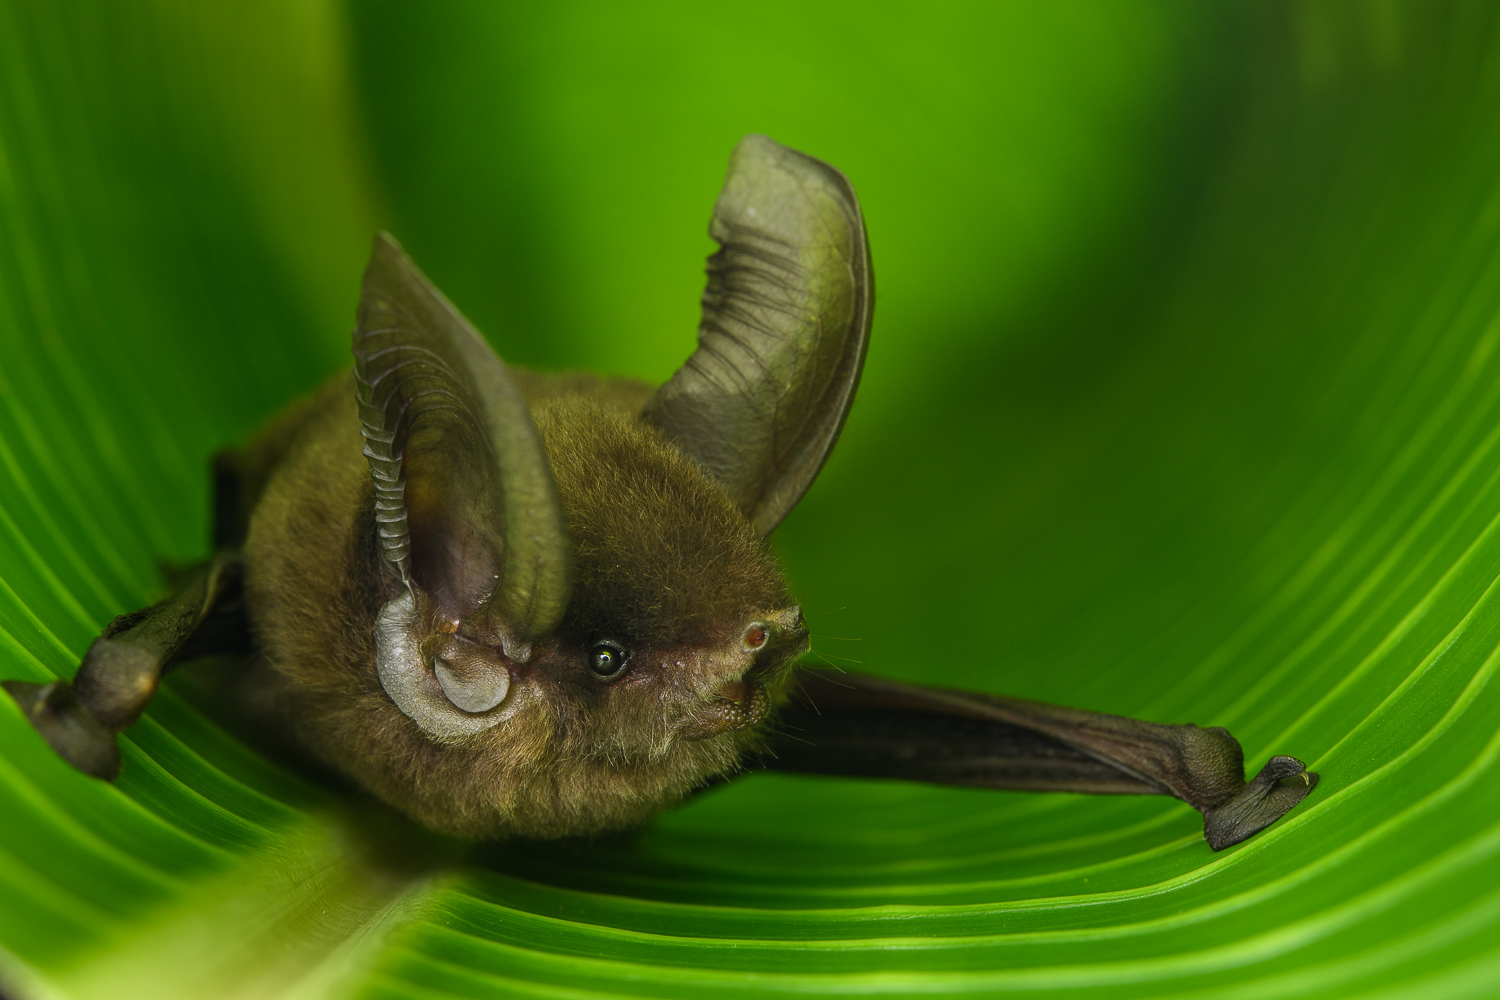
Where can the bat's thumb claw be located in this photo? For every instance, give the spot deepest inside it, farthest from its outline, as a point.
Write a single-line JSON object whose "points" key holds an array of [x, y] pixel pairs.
{"points": [[78, 737], [1270, 795]]}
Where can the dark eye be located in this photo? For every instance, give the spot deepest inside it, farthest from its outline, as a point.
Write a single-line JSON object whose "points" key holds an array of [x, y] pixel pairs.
{"points": [[606, 659]]}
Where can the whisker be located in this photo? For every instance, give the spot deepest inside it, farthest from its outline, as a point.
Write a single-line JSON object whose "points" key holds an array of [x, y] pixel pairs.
{"points": [[825, 657]]}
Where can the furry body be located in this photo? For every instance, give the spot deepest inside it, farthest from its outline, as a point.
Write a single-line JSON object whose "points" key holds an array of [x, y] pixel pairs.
{"points": [[664, 563]]}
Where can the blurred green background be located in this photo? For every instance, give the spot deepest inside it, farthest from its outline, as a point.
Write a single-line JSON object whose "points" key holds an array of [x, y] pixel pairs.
{"points": [[1182, 402]]}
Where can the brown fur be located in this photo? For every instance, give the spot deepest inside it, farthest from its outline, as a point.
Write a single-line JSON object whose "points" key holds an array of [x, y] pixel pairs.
{"points": [[664, 564]]}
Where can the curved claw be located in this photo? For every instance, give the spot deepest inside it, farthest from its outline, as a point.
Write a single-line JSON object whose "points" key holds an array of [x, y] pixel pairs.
{"points": [[1270, 795], [71, 730]]}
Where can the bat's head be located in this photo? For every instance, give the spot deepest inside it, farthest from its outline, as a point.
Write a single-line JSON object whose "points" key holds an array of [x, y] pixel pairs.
{"points": [[679, 626], [581, 620]]}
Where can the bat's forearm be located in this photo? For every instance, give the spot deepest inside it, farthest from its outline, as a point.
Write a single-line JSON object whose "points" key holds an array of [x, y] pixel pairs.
{"points": [[855, 725], [120, 673]]}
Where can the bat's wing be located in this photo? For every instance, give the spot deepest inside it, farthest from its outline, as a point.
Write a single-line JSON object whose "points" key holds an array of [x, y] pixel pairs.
{"points": [[856, 725], [468, 515], [786, 317], [120, 673]]}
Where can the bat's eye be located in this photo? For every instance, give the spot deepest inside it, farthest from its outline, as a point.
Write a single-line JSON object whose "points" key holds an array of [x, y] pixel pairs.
{"points": [[756, 636], [606, 659]]}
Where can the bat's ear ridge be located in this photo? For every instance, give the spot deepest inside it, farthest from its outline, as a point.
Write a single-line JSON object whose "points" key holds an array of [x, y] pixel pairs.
{"points": [[786, 319], [465, 504]]}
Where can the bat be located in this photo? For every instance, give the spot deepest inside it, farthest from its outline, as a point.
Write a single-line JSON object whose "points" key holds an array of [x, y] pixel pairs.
{"points": [[516, 604]]}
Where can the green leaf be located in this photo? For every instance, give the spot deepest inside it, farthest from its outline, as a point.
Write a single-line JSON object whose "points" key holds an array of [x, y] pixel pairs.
{"points": [[1183, 402]]}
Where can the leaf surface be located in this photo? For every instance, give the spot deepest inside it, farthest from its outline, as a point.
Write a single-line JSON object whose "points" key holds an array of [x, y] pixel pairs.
{"points": [[1182, 402]]}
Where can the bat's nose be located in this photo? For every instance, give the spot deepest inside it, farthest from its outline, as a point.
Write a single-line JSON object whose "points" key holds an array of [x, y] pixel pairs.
{"points": [[798, 624], [791, 626]]}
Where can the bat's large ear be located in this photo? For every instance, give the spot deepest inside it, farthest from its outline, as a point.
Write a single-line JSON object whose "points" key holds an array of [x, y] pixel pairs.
{"points": [[464, 499], [786, 317]]}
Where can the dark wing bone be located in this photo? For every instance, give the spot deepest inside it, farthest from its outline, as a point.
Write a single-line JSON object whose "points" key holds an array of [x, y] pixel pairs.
{"points": [[870, 727], [121, 670]]}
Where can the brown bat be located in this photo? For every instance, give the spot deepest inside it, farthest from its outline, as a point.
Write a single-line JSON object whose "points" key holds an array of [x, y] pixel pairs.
{"points": [[544, 605]]}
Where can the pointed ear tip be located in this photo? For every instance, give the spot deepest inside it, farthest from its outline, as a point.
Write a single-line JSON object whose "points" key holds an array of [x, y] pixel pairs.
{"points": [[385, 246], [757, 141], [390, 265], [763, 147], [758, 149]]}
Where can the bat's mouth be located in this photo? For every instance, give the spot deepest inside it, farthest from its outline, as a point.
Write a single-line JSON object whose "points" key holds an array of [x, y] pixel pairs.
{"points": [[772, 643], [736, 704], [746, 699]]}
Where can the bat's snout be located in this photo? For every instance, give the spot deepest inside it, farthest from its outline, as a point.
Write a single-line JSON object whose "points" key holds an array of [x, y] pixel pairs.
{"points": [[767, 645]]}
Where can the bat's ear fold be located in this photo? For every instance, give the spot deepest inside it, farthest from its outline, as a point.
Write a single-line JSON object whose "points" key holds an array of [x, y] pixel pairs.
{"points": [[464, 499], [786, 317]]}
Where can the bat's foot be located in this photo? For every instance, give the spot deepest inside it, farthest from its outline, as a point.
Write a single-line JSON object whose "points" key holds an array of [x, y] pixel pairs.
{"points": [[78, 737], [1270, 795]]}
